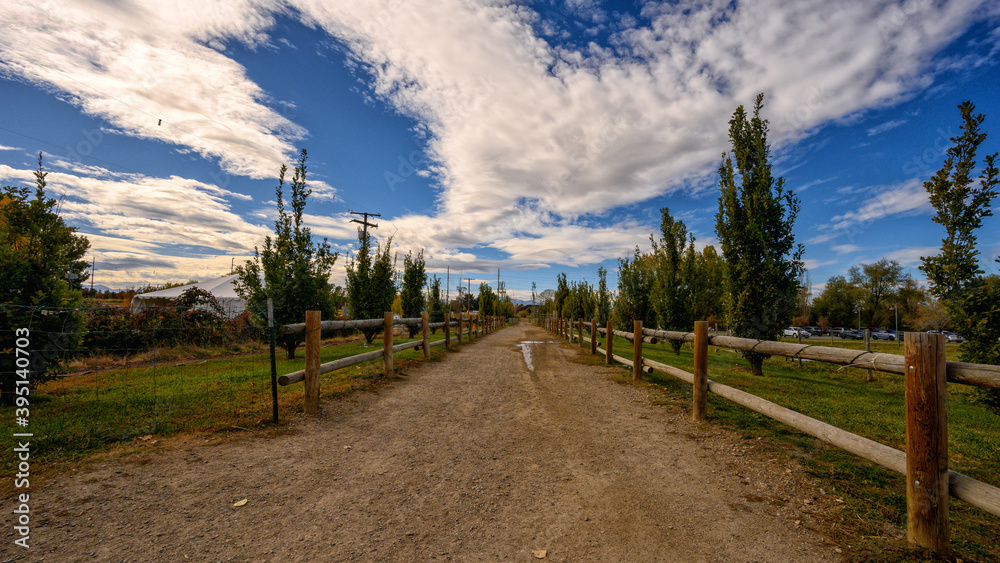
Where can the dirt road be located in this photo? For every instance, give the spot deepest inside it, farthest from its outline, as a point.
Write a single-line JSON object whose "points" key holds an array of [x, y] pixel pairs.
{"points": [[480, 457]]}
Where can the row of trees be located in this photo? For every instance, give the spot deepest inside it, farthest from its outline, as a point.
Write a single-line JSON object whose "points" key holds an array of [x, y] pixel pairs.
{"points": [[294, 272], [757, 284]]}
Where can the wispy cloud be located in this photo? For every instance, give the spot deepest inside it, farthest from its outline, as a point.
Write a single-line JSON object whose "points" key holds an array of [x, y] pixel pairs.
{"points": [[6, 148], [910, 257], [525, 136], [909, 198], [105, 58], [811, 264], [513, 117], [888, 125], [845, 248]]}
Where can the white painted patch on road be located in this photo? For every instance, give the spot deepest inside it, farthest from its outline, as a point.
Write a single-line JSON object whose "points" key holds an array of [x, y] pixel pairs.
{"points": [[525, 347]]}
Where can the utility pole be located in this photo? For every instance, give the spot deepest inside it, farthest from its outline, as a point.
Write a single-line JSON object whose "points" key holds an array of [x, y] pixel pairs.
{"points": [[93, 270], [365, 221], [469, 280], [447, 289]]}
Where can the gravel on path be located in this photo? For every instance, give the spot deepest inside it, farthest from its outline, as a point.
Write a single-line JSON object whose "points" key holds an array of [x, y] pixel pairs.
{"points": [[479, 457]]}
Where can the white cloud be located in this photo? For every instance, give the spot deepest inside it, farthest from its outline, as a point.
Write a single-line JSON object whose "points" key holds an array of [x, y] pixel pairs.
{"points": [[136, 64], [819, 239], [908, 198], [524, 136], [514, 121], [6, 148], [883, 127], [812, 264], [845, 248], [910, 257]]}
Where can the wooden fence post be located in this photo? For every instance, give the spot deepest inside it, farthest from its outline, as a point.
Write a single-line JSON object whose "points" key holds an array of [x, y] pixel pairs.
{"points": [[447, 331], [926, 442], [460, 327], [700, 405], [593, 336], [427, 336], [610, 340], [312, 362], [579, 330], [387, 344], [636, 349]]}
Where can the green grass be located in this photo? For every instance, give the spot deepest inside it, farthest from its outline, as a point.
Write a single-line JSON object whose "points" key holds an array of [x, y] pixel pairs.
{"points": [[74, 417], [873, 496]]}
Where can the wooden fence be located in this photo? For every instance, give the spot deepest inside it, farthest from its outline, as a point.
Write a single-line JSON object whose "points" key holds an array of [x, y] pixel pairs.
{"points": [[468, 327], [926, 372]]}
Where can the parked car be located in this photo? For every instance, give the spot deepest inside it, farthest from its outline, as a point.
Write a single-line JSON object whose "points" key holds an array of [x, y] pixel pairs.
{"points": [[848, 334], [895, 335], [794, 331], [880, 334], [835, 331], [952, 337], [814, 330]]}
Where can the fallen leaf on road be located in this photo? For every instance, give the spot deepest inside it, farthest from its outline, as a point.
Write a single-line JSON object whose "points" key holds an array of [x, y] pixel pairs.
{"points": [[539, 553], [240, 503]]}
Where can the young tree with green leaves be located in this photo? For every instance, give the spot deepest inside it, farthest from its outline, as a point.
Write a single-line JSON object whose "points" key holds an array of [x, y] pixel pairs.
{"points": [[562, 292], [371, 282], [961, 206], [291, 268], [436, 307], [602, 297], [41, 260], [972, 299], [675, 272], [878, 284], [754, 225], [412, 293], [488, 300], [635, 284], [708, 288]]}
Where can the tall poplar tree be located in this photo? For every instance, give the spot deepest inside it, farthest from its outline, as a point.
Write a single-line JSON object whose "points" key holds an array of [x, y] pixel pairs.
{"points": [[754, 225], [674, 272], [972, 299], [412, 293], [291, 268], [371, 282]]}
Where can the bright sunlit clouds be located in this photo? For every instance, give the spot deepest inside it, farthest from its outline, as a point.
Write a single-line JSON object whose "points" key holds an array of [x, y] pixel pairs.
{"points": [[531, 137]]}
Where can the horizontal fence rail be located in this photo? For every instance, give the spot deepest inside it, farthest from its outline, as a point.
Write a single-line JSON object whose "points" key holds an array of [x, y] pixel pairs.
{"points": [[926, 429], [977, 375], [299, 328], [468, 326]]}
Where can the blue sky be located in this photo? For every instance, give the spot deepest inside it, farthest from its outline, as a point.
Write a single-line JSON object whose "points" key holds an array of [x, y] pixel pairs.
{"points": [[534, 137]]}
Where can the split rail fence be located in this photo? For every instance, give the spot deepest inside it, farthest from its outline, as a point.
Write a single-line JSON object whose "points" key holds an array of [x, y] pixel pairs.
{"points": [[468, 326], [926, 374]]}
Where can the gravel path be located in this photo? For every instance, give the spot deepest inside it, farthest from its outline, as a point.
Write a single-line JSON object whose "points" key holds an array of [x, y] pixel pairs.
{"points": [[474, 458]]}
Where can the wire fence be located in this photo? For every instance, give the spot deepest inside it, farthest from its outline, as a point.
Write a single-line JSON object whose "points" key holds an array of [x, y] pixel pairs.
{"points": [[106, 374]]}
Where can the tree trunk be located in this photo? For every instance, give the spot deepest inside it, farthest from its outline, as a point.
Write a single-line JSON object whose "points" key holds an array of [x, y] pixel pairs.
{"points": [[756, 364], [290, 347], [676, 345]]}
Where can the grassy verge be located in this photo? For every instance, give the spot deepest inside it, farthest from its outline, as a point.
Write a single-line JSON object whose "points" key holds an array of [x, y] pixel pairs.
{"points": [[873, 520], [74, 417]]}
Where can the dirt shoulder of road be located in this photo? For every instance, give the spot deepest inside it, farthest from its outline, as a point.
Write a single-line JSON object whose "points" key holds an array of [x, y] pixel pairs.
{"points": [[476, 457]]}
